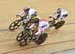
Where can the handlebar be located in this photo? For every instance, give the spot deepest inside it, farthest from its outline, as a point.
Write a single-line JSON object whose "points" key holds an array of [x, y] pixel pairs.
{"points": [[22, 17]]}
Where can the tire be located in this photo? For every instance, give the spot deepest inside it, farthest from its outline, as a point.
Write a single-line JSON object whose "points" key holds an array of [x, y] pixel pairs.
{"points": [[50, 23], [18, 38], [41, 38], [59, 24], [25, 39], [22, 42], [14, 25]]}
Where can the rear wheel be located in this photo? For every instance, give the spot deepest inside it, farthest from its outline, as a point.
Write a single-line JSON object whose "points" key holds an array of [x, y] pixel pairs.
{"points": [[14, 25], [41, 38], [59, 24]]}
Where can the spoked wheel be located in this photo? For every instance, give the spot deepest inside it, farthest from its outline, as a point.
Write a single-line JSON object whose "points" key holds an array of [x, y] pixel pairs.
{"points": [[51, 23], [22, 42], [25, 39], [14, 25], [59, 24], [41, 38], [18, 38]]}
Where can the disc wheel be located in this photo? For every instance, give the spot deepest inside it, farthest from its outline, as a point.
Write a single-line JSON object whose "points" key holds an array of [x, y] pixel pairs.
{"points": [[59, 24], [41, 38]]}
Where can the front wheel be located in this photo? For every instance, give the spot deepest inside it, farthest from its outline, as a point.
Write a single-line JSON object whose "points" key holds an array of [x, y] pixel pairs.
{"points": [[41, 38], [20, 35], [14, 25], [22, 42], [51, 23], [26, 38]]}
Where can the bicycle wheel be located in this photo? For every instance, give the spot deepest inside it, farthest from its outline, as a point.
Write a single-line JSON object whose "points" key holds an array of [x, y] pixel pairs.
{"points": [[22, 42], [14, 25], [18, 38], [50, 23], [41, 38], [59, 24], [26, 38]]}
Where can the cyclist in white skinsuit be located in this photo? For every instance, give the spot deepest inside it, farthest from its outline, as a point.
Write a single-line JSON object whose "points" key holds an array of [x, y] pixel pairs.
{"points": [[29, 13], [61, 13]]}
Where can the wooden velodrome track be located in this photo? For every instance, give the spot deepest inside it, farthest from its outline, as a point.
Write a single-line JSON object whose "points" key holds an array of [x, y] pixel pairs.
{"points": [[60, 41]]}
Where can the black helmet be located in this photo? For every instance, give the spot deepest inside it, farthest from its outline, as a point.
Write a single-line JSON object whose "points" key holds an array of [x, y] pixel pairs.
{"points": [[58, 8], [35, 20]]}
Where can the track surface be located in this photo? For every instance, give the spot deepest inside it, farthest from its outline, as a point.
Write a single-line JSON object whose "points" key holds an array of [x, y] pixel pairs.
{"points": [[60, 41]]}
